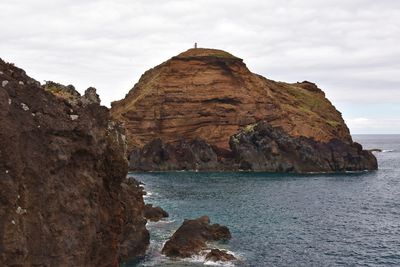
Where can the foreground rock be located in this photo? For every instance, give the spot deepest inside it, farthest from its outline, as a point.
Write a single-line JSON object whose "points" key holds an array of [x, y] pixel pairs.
{"points": [[190, 239], [154, 214], [64, 197], [219, 255]]}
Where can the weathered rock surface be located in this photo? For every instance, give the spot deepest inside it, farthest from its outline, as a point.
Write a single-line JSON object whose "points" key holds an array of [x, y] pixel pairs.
{"points": [[265, 148], [154, 214], [258, 147], [219, 255], [182, 155], [64, 196], [190, 239], [209, 94]]}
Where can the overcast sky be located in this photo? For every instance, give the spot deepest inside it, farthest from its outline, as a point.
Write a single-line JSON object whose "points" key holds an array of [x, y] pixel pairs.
{"points": [[349, 48]]}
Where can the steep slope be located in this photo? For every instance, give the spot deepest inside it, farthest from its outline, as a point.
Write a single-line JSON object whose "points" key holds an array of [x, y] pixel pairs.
{"points": [[64, 197], [210, 94]]}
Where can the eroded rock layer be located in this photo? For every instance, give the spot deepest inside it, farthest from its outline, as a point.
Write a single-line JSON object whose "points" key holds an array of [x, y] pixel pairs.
{"points": [[210, 94], [64, 197]]}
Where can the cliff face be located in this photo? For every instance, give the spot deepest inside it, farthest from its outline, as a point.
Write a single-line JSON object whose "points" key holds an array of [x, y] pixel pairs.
{"points": [[209, 94], [64, 197]]}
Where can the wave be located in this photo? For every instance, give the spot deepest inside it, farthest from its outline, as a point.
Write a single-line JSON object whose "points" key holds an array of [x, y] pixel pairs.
{"points": [[201, 258], [162, 221], [388, 150]]}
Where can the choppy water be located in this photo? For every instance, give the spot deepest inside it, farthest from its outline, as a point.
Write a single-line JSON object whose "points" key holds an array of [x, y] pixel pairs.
{"points": [[289, 220]]}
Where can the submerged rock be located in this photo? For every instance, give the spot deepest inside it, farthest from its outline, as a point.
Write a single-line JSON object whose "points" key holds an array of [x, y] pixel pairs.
{"points": [[154, 214], [219, 255], [191, 237], [64, 196]]}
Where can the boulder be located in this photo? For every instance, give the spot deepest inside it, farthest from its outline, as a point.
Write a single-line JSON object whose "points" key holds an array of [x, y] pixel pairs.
{"points": [[154, 214], [219, 255], [191, 237]]}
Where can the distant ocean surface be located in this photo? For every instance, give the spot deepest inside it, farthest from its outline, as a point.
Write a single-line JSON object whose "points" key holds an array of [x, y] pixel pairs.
{"points": [[288, 220]]}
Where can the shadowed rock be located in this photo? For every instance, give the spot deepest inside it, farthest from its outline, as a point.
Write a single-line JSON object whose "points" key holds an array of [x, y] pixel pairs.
{"points": [[219, 255], [191, 237], [64, 196], [266, 148], [154, 214]]}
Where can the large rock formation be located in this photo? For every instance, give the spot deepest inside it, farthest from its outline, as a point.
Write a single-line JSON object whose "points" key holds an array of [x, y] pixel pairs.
{"points": [[64, 196], [183, 113], [210, 94]]}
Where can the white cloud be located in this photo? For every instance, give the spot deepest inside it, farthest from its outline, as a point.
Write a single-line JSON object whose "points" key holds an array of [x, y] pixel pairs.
{"points": [[373, 126]]}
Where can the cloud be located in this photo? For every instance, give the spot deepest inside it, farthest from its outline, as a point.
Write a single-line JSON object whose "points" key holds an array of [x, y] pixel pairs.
{"points": [[349, 48], [373, 126]]}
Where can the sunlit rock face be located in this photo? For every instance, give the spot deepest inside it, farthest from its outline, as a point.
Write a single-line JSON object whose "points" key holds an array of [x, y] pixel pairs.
{"points": [[210, 94]]}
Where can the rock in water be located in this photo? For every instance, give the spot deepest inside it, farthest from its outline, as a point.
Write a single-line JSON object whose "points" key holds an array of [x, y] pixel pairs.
{"points": [[64, 196], [210, 95], [219, 255], [154, 214], [190, 239], [266, 148]]}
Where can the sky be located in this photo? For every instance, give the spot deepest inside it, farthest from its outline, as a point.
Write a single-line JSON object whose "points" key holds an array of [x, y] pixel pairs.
{"points": [[349, 48]]}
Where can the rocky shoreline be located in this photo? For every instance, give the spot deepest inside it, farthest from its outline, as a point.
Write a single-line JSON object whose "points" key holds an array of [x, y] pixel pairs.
{"points": [[65, 199], [261, 148]]}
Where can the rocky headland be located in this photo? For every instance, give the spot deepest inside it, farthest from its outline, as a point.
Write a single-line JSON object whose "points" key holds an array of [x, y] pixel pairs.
{"points": [[64, 196], [204, 110]]}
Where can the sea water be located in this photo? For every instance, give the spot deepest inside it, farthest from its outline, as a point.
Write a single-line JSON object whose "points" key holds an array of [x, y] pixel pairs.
{"points": [[348, 219]]}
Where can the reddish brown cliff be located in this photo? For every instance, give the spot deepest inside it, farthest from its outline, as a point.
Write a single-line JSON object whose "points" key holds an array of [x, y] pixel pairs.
{"points": [[64, 196], [210, 94]]}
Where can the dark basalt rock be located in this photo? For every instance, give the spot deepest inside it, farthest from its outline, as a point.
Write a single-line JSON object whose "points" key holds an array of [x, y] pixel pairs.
{"points": [[190, 239], [265, 148], [258, 147], [219, 255], [154, 214], [64, 196], [182, 155]]}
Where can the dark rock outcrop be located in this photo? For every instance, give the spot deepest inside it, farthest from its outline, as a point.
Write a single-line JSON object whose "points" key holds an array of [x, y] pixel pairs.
{"points": [[262, 147], [257, 147], [64, 196], [219, 255], [154, 214], [181, 155], [190, 239]]}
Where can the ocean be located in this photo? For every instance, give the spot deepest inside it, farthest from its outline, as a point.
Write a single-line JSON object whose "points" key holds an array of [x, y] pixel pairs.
{"points": [[350, 219]]}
